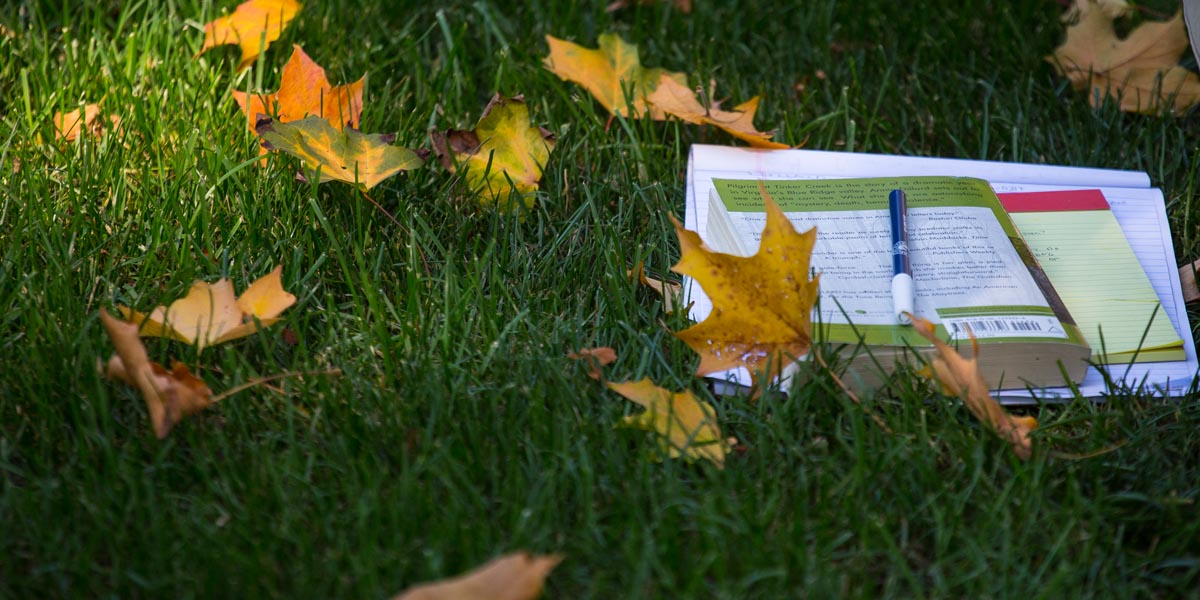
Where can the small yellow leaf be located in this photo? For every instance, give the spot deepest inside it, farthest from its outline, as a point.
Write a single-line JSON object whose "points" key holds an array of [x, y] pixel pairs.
{"points": [[517, 576], [346, 155], [210, 314], [762, 304], [1140, 71], [169, 395], [504, 152], [610, 73], [959, 376], [686, 426], [253, 25], [678, 100]]}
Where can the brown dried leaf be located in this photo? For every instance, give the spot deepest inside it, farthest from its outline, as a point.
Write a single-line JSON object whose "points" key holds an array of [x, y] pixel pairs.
{"points": [[595, 358], [959, 376]]}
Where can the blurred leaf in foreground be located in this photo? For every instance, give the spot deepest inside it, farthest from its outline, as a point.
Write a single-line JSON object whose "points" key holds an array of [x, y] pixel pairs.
{"points": [[517, 576], [72, 124]]}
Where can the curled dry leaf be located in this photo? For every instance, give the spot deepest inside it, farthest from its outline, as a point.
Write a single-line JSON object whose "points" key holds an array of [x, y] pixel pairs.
{"points": [[70, 125], [678, 100], [667, 290], [210, 314], [504, 152], [959, 376], [762, 304], [253, 25], [332, 154], [304, 91], [517, 576], [595, 358], [1141, 72], [686, 426], [611, 73], [169, 395]]}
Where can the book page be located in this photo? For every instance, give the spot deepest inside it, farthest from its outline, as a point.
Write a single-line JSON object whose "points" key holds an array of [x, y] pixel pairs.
{"points": [[1099, 279]]}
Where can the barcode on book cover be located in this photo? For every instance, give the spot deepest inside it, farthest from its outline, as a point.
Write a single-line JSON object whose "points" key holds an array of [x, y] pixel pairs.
{"points": [[1004, 326]]}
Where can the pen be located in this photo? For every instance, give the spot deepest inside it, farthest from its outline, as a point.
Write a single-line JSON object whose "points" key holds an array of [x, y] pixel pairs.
{"points": [[902, 281]]}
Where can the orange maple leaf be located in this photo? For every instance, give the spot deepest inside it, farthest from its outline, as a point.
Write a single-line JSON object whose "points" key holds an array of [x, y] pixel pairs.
{"points": [[516, 576], [960, 377], [1141, 71], [678, 100], [253, 25], [610, 73], [762, 304], [304, 90]]}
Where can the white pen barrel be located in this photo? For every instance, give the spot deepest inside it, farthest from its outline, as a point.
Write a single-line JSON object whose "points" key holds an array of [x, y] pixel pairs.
{"points": [[902, 297]]}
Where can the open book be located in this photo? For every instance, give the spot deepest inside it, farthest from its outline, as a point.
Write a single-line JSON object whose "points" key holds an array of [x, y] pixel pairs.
{"points": [[973, 273], [1138, 209]]}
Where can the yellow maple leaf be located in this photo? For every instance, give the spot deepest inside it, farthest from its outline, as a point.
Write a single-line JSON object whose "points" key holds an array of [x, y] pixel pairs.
{"points": [[169, 395], [70, 125], [1141, 71], [303, 91], [253, 25], [610, 73], [516, 576], [503, 153], [686, 426], [680, 101], [959, 376], [762, 304], [210, 314], [334, 154]]}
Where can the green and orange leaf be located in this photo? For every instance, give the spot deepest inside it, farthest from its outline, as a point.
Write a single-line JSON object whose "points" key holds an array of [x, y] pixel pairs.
{"points": [[305, 91], [331, 154]]}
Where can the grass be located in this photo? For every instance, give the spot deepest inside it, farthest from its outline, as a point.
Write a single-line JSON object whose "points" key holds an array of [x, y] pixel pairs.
{"points": [[459, 431]]}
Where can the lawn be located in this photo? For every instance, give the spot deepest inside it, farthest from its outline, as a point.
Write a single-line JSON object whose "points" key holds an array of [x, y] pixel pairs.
{"points": [[458, 430]]}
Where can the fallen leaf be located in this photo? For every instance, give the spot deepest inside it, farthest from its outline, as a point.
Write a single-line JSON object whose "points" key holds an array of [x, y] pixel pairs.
{"points": [[303, 91], [1111, 8], [667, 290], [70, 125], [678, 100], [210, 314], [683, 6], [517, 576], [610, 73], [1141, 72], [504, 152], [959, 376], [1187, 279], [762, 304], [334, 154], [595, 358], [253, 25], [686, 426], [169, 395]]}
